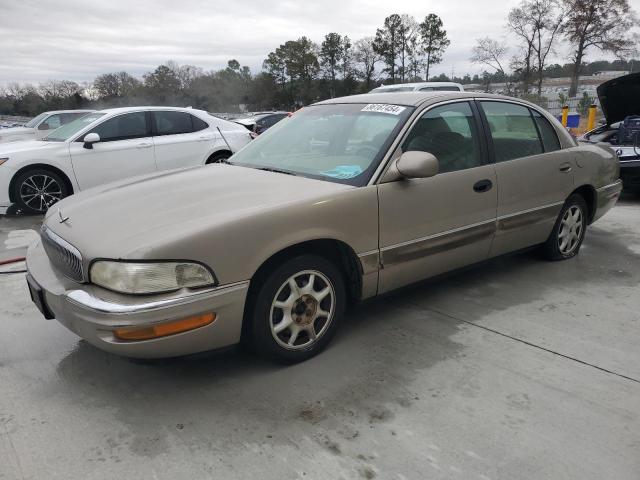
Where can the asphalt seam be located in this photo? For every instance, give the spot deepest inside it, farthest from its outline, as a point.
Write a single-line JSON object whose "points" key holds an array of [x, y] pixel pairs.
{"points": [[525, 342]]}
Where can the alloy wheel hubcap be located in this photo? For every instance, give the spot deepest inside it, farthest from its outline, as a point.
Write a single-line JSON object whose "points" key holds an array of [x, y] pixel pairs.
{"points": [[302, 310], [39, 192], [571, 229]]}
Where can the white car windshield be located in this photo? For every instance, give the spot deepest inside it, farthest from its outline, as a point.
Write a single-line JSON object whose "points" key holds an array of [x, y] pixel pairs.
{"points": [[341, 143], [35, 121], [70, 129]]}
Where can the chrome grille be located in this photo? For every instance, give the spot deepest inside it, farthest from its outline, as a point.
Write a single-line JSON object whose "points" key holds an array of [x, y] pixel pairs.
{"points": [[65, 257]]}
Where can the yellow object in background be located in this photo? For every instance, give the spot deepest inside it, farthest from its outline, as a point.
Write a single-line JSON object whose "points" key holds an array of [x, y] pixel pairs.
{"points": [[591, 122], [565, 115]]}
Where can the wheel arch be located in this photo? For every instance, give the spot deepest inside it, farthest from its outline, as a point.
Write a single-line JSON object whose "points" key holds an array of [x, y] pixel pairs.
{"points": [[40, 166], [336, 251], [216, 153], [588, 192]]}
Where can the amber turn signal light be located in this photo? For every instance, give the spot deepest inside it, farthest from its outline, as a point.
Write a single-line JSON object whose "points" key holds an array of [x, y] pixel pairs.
{"points": [[164, 329]]}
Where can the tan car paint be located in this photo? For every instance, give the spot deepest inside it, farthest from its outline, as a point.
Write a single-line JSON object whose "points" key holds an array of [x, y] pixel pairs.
{"points": [[233, 219]]}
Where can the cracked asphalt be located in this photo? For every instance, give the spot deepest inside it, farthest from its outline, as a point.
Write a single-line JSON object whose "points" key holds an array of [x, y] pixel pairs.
{"points": [[517, 368]]}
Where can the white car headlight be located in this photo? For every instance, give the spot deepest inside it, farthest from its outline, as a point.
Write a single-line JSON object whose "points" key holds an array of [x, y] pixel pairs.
{"points": [[141, 277]]}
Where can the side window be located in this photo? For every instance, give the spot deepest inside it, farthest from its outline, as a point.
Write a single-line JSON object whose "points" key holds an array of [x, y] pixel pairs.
{"points": [[547, 132], [122, 127], [172, 123], [53, 121], [449, 132], [512, 129], [70, 117], [198, 124]]}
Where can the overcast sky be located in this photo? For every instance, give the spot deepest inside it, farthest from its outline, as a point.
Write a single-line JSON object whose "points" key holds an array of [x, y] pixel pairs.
{"points": [[77, 40]]}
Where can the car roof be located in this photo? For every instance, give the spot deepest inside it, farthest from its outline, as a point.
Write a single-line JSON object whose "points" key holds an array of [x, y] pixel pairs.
{"points": [[421, 84], [80, 110], [148, 108], [412, 99]]}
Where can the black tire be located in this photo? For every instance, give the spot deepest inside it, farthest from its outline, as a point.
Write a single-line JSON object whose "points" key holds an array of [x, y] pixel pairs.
{"points": [[218, 157], [555, 247], [263, 312], [28, 184]]}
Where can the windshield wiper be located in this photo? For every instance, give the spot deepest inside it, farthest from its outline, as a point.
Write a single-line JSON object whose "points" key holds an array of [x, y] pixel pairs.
{"points": [[275, 170]]}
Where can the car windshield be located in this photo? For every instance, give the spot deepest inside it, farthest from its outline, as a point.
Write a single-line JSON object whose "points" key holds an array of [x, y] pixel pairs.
{"points": [[340, 143], [70, 129], [34, 121]]}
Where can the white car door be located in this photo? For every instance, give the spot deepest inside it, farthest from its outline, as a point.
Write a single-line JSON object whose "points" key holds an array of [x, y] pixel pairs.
{"points": [[125, 149], [180, 139]]}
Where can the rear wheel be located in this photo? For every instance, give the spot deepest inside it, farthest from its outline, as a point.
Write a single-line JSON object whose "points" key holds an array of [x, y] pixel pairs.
{"points": [[568, 232], [36, 190], [297, 309]]}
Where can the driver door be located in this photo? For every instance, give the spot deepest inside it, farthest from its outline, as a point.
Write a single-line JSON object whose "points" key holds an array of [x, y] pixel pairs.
{"points": [[125, 149], [432, 225]]}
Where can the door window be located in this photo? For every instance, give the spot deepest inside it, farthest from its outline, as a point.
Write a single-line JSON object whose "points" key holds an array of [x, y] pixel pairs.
{"points": [[513, 131], [198, 124], [450, 132], [122, 127], [547, 132], [70, 117], [53, 121], [172, 123]]}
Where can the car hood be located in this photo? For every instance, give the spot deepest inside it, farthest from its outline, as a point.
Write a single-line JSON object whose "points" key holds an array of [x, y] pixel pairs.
{"points": [[134, 218], [16, 131], [26, 146], [620, 97]]}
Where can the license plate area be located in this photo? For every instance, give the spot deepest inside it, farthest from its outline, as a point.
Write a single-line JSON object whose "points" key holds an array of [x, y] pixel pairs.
{"points": [[38, 298]]}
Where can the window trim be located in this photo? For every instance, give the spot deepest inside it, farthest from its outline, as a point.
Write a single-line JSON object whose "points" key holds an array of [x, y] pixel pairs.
{"points": [[81, 135], [555, 133]]}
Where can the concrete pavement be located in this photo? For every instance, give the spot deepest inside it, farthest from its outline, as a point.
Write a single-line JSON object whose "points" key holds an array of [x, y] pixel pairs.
{"points": [[514, 369]]}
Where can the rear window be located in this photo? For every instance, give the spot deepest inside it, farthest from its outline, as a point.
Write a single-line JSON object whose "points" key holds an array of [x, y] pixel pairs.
{"points": [[172, 123], [547, 132]]}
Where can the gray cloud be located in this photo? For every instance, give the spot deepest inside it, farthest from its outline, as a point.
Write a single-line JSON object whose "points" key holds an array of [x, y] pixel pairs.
{"points": [[78, 40]]}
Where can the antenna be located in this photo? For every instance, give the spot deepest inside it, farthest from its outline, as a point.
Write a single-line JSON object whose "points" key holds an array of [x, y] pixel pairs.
{"points": [[225, 140]]}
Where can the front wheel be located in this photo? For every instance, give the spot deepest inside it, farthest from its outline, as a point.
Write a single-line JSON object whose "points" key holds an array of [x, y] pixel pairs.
{"points": [[36, 190], [569, 230], [297, 309]]}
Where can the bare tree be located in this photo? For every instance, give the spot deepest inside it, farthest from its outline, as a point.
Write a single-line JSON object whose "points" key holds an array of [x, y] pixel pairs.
{"points": [[366, 58], [600, 24], [492, 53]]}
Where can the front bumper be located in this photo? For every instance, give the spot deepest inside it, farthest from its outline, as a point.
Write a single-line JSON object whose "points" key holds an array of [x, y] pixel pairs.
{"points": [[630, 174], [93, 313]]}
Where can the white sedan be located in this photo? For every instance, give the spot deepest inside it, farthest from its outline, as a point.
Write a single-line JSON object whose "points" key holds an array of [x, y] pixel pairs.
{"points": [[109, 145], [40, 126]]}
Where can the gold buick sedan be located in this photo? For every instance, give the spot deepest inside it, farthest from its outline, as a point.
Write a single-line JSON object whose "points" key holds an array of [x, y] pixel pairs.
{"points": [[347, 199]]}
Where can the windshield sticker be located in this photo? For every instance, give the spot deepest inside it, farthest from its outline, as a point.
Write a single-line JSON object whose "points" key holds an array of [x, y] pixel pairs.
{"points": [[344, 172], [384, 108]]}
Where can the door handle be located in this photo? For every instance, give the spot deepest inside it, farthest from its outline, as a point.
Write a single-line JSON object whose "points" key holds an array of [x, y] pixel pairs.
{"points": [[483, 186], [565, 167], [143, 145]]}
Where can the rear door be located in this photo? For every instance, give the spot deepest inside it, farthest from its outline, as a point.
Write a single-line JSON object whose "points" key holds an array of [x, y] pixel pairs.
{"points": [[180, 139], [534, 175], [125, 149], [432, 225]]}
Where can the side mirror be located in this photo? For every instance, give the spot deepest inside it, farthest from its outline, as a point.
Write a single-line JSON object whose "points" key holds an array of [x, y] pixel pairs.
{"points": [[43, 126], [89, 139], [417, 165]]}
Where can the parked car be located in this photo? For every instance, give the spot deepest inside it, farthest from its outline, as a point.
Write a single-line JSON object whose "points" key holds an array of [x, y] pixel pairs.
{"points": [[420, 87], [260, 122], [350, 198], [110, 145], [620, 103], [40, 126]]}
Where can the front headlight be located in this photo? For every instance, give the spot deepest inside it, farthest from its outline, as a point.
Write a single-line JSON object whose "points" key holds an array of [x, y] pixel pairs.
{"points": [[141, 277]]}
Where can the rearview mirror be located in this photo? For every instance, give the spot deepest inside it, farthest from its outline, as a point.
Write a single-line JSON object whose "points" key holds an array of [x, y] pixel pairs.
{"points": [[89, 139], [417, 165]]}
